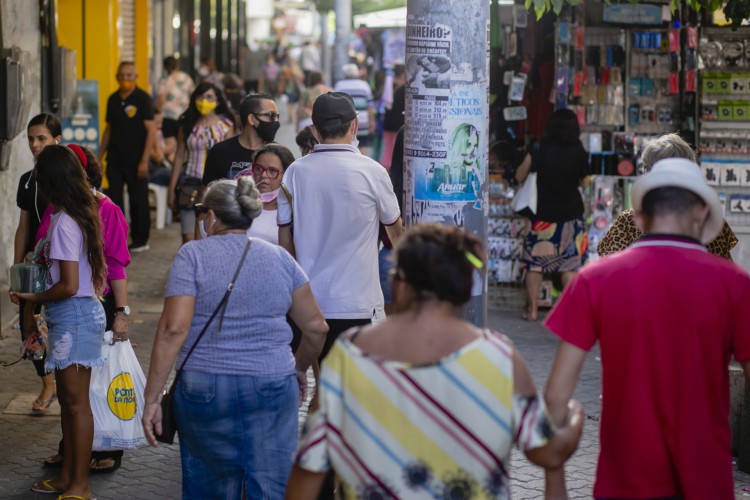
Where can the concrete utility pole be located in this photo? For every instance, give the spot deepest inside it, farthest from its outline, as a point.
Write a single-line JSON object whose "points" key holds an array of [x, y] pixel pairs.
{"points": [[325, 48], [447, 121], [343, 9]]}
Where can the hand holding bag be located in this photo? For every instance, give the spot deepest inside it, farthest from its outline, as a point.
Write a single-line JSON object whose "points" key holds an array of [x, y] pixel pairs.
{"points": [[30, 277], [524, 202], [168, 421], [117, 394]]}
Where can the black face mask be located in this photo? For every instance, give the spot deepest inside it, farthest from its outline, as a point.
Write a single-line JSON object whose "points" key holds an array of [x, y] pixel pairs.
{"points": [[267, 130]]}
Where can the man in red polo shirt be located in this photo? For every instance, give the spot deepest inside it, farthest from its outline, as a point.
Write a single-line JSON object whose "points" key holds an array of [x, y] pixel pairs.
{"points": [[668, 317]]}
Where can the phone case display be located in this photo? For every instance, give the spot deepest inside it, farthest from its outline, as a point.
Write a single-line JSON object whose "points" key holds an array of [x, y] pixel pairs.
{"points": [[504, 234], [724, 133], [504, 248], [653, 81], [590, 75]]}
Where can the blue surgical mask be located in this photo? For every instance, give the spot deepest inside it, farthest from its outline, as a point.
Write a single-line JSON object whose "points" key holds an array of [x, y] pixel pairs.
{"points": [[202, 229], [355, 142]]}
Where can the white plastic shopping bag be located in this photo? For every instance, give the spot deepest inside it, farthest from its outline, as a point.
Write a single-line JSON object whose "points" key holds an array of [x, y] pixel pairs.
{"points": [[117, 395], [524, 203]]}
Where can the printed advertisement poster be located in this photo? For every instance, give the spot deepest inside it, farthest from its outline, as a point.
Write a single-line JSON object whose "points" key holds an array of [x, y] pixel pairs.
{"points": [[394, 46], [443, 143], [82, 127]]}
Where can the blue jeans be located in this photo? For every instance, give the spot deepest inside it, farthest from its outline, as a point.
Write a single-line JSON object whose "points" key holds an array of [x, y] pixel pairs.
{"points": [[384, 267], [236, 431]]}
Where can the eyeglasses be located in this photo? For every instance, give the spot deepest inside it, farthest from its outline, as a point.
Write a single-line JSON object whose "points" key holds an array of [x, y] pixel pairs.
{"points": [[273, 172], [272, 115], [200, 209]]}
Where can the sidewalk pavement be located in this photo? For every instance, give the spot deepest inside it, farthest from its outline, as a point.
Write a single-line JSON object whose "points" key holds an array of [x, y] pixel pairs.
{"points": [[155, 472]]}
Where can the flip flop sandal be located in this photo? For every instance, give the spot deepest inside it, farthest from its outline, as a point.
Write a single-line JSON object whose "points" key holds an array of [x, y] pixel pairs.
{"points": [[54, 462], [105, 470], [42, 405], [45, 487], [527, 316]]}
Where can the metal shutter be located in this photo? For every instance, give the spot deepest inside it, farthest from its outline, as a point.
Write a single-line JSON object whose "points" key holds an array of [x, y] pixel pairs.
{"points": [[126, 39]]}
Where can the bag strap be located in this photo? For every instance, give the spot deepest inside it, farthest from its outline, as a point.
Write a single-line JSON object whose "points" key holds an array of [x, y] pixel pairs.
{"points": [[286, 193], [220, 306], [535, 152]]}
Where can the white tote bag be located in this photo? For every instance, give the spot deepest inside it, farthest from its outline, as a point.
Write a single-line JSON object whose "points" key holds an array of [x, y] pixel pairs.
{"points": [[117, 395], [524, 202]]}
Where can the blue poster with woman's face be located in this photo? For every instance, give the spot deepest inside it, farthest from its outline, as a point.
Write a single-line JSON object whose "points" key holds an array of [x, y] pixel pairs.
{"points": [[456, 177]]}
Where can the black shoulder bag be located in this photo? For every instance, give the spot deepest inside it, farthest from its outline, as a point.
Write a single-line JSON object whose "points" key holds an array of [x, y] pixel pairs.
{"points": [[168, 422]]}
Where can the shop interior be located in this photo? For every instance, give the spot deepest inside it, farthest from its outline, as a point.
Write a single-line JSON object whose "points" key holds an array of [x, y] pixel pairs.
{"points": [[630, 72]]}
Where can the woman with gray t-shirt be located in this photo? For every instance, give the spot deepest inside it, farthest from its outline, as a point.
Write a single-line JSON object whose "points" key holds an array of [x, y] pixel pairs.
{"points": [[236, 399]]}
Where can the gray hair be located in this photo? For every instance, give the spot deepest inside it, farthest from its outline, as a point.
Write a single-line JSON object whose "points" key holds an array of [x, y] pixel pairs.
{"points": [[666, 146], [235, 202]]}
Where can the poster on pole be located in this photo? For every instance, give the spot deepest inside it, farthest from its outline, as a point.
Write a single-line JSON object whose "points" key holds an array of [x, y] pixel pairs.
{"points": [[446, 136], [447, 122]]}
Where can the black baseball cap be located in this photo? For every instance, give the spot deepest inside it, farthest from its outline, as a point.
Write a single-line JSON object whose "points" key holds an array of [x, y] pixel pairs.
{"points": [[333, 108]]}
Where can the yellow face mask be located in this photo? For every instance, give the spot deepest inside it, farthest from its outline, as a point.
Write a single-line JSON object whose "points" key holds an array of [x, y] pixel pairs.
{"points": [[205, 107], [127, 85]]}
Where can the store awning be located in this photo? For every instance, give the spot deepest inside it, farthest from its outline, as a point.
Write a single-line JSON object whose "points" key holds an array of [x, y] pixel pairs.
{"points": [[389, 18]]}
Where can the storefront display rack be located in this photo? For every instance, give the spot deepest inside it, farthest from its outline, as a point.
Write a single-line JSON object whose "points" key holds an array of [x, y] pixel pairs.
{"points": [[724, 123]]}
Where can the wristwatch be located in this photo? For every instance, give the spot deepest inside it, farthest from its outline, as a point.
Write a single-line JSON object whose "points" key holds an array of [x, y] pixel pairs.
{"points": [[124, 310]]}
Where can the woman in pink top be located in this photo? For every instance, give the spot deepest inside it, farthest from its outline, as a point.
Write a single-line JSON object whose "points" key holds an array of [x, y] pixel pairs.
{"points": [[207, 121], [117, 257]]}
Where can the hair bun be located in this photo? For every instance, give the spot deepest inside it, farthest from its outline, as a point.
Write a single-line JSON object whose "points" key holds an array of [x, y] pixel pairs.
{"points": [[248, 197]]}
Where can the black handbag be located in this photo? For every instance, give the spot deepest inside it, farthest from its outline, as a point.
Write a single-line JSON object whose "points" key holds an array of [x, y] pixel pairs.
{"points": [[168, 421], [188, 192]]}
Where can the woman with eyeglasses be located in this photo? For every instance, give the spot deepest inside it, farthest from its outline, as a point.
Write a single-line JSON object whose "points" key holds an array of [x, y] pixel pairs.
{"points": [[207, 121], [268, 168], [236, 402]]}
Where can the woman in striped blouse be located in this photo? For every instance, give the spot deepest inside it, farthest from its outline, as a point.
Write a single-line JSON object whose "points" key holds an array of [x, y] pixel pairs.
{"points": [[207, 121], [426, 405]]}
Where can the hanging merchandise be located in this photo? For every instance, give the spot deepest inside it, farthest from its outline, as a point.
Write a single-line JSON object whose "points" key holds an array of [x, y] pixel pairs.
{"points": [[653, 82], [724, 127]]}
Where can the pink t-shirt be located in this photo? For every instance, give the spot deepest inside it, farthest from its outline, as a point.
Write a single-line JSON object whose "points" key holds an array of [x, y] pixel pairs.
{"points": [[114, 232], [668, 317], [65, 242]]}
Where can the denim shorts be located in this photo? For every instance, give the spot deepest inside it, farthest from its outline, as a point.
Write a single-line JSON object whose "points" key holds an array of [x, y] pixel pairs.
{"points": [[76, 329], [236, 432]]}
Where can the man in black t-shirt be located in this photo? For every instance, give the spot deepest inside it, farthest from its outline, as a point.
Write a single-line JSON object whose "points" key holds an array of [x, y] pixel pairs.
{"points": [[128, 139], [31, 201], [260, 122]]}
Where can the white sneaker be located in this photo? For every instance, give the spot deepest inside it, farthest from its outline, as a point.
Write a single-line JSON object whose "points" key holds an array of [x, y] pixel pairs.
{"points": [[139, 249]]}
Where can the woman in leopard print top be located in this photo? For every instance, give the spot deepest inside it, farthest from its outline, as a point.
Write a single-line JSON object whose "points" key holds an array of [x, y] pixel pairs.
{"points": [[624, 230]]}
